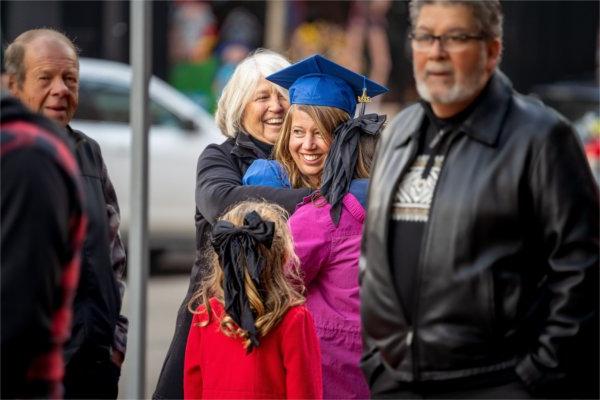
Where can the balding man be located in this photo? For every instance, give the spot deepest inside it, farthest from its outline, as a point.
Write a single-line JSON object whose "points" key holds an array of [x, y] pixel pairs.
{"points": [[43, 72]]}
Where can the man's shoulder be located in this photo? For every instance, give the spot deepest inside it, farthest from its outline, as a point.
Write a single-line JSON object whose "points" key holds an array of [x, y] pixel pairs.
{"points": [[532, 118], [536, 108], [409, 112], [89, 153], [79, 136], [19, 135], [404, 123]]}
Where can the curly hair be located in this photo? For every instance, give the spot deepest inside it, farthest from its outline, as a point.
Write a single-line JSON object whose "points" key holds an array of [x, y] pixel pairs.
{"points": [[282, 285]]}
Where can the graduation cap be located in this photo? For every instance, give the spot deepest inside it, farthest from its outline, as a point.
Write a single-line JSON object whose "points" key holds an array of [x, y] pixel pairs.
{"points": [[318, 81]]}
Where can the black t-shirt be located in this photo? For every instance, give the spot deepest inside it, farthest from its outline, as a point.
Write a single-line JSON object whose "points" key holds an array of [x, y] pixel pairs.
{"points": [[414, 195]]}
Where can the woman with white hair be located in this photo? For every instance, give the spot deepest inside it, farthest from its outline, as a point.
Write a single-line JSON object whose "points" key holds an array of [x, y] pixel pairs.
{"points": [[250, 113]]}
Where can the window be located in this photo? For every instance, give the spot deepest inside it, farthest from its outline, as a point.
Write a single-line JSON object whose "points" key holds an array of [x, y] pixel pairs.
{"points": [[110, 103]]}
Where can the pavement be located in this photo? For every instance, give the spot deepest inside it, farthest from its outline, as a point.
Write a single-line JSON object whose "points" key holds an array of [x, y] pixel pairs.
{"points": [[165, 293]]}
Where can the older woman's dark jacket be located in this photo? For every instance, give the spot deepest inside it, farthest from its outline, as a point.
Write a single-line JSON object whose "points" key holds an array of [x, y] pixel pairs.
{"points": [[218, 186], [508, 276]]}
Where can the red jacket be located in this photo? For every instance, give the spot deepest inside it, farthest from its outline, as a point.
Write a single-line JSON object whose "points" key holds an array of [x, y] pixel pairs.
{"points": [[286, 364]]}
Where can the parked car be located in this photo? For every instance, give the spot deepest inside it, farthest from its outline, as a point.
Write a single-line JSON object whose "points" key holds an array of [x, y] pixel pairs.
{"points": [[579, 101], [180, 130]]}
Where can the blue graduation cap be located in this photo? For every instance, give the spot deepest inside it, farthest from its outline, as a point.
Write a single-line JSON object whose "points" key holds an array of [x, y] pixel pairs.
{"points": [[318, 81]]}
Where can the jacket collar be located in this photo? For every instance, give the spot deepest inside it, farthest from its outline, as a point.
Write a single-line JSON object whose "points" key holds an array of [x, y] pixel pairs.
{"points": [[485, 122], [75, 135], [244, 147], [411, 120]]}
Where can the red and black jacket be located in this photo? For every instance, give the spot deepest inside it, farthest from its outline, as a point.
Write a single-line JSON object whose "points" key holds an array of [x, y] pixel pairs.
{"points": [[43, 228]]}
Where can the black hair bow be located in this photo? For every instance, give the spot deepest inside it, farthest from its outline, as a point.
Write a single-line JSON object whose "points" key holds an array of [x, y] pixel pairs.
{"points": [[232, 244], [341, 160]]}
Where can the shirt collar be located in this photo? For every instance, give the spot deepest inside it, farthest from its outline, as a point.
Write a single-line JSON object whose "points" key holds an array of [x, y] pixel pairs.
{"points": [[245, 147], [485, 122]]}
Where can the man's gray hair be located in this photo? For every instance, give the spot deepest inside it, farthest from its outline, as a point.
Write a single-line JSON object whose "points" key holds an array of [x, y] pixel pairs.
{"points": [[487, 13], [239, 91], [14, 55]]}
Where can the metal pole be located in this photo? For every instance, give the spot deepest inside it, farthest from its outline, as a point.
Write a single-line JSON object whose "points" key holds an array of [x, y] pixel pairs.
{"points": [[140, 58], [275, 25]]}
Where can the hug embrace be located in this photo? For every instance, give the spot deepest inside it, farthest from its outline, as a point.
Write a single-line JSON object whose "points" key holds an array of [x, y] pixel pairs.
{"points": [[311, 157]]}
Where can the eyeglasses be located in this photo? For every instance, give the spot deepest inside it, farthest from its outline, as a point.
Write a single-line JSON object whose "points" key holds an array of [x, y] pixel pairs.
{"points": [[450, 41]]}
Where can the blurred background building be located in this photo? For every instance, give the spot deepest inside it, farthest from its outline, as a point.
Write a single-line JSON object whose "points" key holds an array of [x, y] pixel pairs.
{"points": [[196, 43]]}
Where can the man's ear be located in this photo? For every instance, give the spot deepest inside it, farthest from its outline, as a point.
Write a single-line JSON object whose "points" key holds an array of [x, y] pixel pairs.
{"points": [[13, 85], [494, 51]]}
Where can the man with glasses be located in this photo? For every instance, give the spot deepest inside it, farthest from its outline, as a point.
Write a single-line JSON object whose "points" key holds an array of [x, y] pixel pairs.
{"points": [[480, 258]]}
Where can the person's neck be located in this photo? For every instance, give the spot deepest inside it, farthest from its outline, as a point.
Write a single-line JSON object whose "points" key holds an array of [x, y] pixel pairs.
{"points": [[444, 111], [314, 181], [265, 147], [450, 111]]}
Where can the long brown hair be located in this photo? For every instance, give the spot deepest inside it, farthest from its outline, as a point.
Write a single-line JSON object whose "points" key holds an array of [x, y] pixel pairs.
{"points": [[326, 118], [366, 151], [282, 286]]}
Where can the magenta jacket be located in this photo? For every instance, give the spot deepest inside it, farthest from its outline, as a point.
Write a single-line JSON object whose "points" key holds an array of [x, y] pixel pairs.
{"points": [[329, 257]]}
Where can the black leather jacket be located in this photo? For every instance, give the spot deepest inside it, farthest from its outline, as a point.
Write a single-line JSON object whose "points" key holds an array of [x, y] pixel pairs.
{"points": [[508, 271]]}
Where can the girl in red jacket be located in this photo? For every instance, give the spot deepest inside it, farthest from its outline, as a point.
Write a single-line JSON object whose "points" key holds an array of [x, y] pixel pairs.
{"points": [[251, 336]]}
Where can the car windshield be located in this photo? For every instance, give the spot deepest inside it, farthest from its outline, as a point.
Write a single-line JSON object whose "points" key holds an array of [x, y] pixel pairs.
{"points": [[106, 102]]}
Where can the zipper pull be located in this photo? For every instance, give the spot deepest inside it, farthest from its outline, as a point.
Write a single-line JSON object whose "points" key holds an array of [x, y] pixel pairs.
{"points": [[434, 142], [409, 337]]}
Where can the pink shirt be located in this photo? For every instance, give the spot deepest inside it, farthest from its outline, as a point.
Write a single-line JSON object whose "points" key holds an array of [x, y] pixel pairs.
{"points": [[329, 257]]}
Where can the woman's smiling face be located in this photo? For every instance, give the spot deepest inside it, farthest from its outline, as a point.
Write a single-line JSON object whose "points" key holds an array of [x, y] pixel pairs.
{"points": [[263, 115], [308, 146]]}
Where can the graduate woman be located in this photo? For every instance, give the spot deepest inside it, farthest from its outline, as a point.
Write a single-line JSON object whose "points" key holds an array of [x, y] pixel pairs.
{"points": [[323, 148]]}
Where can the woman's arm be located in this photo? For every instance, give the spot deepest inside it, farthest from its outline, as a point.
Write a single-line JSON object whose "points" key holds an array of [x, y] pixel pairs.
{"points": [[266, 173], [219, 185]]}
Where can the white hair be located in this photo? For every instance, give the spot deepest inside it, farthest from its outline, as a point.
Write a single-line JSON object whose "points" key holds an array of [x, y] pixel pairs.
{"points": [[240, 89], [460, 91]]}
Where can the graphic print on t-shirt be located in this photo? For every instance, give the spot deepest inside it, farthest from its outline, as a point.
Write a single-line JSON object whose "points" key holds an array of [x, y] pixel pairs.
{"points": [[414, 194]]}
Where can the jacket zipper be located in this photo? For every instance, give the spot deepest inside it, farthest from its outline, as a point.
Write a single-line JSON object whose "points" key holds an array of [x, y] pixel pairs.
{"points": [[411, 336]]}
